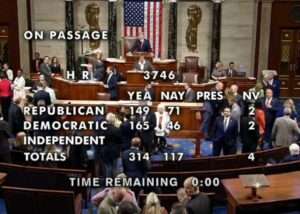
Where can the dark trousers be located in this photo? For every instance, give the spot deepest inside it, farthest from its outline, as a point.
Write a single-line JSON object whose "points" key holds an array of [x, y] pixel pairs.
{"points": [[160, 142], [5, 104], [228, 148]]}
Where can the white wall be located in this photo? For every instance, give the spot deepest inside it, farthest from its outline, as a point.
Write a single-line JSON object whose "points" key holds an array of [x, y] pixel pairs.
{"points": [[238, 33]]}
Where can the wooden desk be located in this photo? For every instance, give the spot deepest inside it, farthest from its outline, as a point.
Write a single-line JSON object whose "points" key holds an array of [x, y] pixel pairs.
{"points": [[2, 177], [284, 189], [123, 65], [88, 90]]}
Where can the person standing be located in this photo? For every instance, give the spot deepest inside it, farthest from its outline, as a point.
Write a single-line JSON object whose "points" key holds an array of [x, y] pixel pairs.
{"points": [[110, 151], [19, 85], [16, 117], [112, 83], [162, 126], [36, 63], [46, 70], [133, 165], [197, 202], [249, 133], [5, 95], [285, 129], [55, 66], [8, 72], [147, 135], [225, 135], [270, 108]]}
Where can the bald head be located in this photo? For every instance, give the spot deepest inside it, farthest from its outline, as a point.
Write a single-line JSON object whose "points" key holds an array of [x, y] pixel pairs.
{"points": [[136, 142]]}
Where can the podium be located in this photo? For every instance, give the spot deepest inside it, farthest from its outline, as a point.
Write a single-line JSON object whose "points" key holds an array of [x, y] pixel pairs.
{"points": [[134, 57]]}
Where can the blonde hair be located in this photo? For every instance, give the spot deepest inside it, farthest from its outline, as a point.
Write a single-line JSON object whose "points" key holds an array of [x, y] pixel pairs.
{"points": [[152, 205]]}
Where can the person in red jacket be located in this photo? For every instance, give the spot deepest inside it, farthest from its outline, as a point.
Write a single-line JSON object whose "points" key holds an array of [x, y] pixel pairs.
{"points": [[5, 95]]}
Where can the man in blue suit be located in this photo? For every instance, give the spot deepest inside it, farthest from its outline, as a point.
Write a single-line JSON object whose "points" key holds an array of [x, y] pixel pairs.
{"points": [[270, 82], [271, 106], [135, 163], [225, 134], [112, 83], [142, 44]]}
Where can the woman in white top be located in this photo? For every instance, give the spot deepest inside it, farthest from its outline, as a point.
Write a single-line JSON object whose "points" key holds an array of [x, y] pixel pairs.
{"points": [[19, 85]]}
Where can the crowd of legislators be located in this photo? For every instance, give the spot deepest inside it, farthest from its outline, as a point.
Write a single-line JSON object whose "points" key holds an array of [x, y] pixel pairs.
{"points": [[257, 124], [265, 122]]}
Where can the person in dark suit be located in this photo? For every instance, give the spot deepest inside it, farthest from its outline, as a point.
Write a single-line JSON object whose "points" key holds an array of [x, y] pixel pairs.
{"points": [[294, 153], [132, 165], [269, 81], [249, 133], [41, 95], [225, 134], [190, 95], [112, 83], [198, 202], [270, 106], [45, 70], [36, 62], [55, 66], [5, 134], [151, 94], [231, 71], [127, 133], [147, 136], [212, 109], [99, 71], [141, 44], [110, 151], [143, 65], [16, 117]]}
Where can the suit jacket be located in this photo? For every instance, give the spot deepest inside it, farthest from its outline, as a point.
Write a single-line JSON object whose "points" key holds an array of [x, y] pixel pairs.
{"points": [[147, 66], [151, 92], [4, 135], [126, 134], [270, 112], [230, 135], [284, 131], [16, 119], [275, 86], [46, 71], [249, 136], [190, 96], [147, 136], [199, 204], [110, 151], [137, 168], [41, 95], [233, 73], [139, 47], [99, 73], [112, 83], [33, 65]]}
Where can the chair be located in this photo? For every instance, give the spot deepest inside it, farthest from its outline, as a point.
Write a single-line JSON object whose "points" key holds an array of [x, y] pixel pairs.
{"points": [[190, 77], [128, 44], [191, 65]]}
